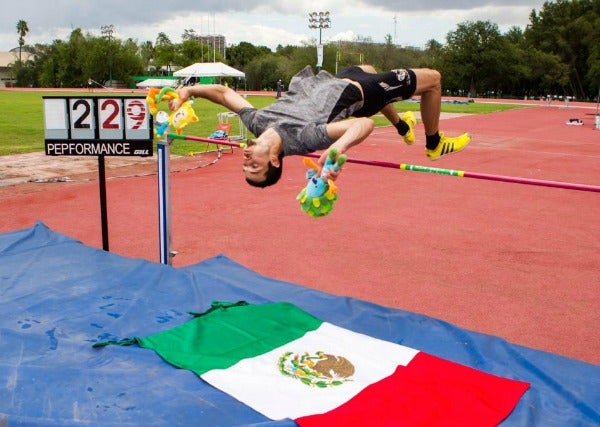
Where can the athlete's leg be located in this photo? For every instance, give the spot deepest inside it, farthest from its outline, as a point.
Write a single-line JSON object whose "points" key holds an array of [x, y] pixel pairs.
{"points": [[389, 111], [429, 86], [437, 145], [367, 68], [405, 124]]}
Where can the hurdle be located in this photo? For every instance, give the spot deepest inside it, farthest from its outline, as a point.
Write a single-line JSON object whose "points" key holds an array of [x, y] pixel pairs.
{"points": [[163, 152]]}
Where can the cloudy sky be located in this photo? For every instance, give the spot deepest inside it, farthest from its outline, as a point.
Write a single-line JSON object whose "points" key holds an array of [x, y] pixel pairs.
{"points": [[260, 22]]}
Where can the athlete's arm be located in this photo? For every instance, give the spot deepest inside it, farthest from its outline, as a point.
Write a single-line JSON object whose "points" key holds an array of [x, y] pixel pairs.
{"points": [[346, 134], [218, 94]]}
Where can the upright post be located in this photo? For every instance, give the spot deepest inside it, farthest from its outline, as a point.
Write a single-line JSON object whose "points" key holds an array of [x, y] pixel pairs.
{"points": [[163, 151]]}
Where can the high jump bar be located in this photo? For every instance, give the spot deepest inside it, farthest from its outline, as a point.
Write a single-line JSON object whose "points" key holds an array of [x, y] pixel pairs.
{"points": [[417, 168]]}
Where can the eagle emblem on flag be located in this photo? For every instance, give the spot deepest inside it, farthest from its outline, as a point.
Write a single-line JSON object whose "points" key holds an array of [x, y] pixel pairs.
{"points": [[316, 370]]}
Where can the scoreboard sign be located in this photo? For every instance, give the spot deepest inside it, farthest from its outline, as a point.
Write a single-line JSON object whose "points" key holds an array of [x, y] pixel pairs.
{"points": [[96, 126]]}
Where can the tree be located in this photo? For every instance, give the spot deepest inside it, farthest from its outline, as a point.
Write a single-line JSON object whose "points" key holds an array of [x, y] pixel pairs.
{"points": [[127, 63], [189, 34], [571, 30], [474, 53], [476, 56], [71, 59], [263, 72], [165, 52], [148, 54], [302, 56], [192, 50], [22, 30], [547, 74], [70, 63], [593, 74], [47, 65], [388, 60], [244, 53]]}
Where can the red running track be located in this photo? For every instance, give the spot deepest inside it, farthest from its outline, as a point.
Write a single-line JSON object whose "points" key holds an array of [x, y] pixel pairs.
{"points": [[516, 261]]}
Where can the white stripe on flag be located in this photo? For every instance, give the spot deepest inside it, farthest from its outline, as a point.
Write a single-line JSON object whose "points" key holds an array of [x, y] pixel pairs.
{"points": [[258, 382]]}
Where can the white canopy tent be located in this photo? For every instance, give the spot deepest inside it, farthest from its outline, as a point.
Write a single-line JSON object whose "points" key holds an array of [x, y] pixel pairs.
{"points": [[209, 69], [158, 83]]}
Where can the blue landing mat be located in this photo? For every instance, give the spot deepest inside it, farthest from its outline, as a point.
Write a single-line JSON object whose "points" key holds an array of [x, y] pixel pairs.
{"points": [[58, 297]]}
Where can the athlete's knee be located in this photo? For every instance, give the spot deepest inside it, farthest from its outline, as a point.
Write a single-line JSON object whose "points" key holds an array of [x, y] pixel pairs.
{"points": [[429, 75], [436, 79], [428, 79], [368, 69]]}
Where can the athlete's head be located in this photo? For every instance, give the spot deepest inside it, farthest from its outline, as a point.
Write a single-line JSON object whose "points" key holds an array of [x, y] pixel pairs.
{"points": [[261, 165]]}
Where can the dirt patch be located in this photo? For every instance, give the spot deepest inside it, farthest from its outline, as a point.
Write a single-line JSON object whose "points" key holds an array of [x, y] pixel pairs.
{"points": [[39, 168], [26, 173]]}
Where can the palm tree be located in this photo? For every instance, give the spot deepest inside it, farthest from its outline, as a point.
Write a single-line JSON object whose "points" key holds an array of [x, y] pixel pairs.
{"points": [[22, 30]]}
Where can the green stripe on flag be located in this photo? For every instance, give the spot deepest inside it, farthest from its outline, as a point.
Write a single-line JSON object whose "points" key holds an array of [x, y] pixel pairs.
{"points": [[225, 335]]}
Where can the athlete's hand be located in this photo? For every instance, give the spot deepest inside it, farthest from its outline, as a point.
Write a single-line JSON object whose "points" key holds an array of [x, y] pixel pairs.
{"points": [[331, 174], [183, 95]]}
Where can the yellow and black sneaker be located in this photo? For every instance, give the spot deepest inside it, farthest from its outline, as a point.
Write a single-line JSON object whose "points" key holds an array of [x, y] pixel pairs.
{"points": [[410, 119], [448, 145]]}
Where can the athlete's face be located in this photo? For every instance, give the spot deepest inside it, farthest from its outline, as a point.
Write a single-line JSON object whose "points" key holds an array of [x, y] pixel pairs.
{"points": [[256, 160]]}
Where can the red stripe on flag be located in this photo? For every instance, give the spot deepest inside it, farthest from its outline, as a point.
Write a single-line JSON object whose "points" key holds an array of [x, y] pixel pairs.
{"points": [[428, 392]]}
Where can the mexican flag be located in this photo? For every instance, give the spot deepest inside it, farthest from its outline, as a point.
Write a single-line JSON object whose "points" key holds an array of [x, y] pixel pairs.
{"points": [[285, 363]]}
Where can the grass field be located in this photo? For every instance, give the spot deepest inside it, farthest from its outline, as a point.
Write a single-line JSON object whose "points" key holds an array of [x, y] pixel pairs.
{"points": [[22, 121]]}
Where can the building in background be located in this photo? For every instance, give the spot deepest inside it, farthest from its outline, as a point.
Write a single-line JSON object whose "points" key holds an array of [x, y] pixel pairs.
{"points": [[215, 41], [7, 61]]}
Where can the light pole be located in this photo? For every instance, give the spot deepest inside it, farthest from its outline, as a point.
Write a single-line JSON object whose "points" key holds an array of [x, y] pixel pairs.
{"points": [[321, 21], [107, 32]]}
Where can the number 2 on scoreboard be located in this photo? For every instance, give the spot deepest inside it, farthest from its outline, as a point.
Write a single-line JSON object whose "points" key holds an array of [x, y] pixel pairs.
{"points": [[112, 120], [81, 116]]}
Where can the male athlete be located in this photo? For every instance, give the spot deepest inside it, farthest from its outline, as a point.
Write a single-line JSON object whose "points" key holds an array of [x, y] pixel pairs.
{"points": [[321, 112]]}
